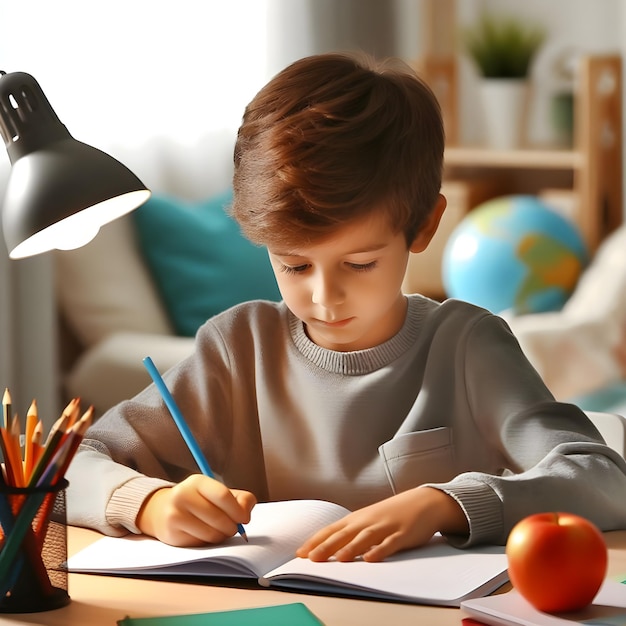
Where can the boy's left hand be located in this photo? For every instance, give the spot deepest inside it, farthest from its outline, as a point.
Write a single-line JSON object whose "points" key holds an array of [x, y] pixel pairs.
{"points": [[406, 520]]}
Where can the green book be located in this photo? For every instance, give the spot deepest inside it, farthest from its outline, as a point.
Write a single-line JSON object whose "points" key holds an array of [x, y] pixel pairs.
{"points": [[296, 614]]}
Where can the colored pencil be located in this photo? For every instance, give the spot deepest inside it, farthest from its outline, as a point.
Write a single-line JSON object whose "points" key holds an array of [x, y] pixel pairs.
{"points": [[30, 547], [37, 447], [6, 409], [76, 434], [184, 429], [29, 430], [58, 464], [31, 551], [55, 438], [73, 410], [14, 438], [12, 460], [25, 519], [17, 538]]}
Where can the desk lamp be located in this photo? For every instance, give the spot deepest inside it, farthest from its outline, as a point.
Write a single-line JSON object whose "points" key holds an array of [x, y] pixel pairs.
{"points": [[60, 190]]}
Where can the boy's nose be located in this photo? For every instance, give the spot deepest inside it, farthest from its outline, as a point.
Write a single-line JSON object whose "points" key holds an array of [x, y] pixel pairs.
{"points": [[327, 291]]}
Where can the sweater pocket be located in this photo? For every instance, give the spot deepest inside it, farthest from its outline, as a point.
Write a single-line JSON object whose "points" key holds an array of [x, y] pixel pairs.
{"points": [[412, 459]]}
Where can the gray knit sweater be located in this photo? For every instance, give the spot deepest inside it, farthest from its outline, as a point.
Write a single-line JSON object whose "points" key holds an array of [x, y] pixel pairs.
{"points": [[450, 401]]}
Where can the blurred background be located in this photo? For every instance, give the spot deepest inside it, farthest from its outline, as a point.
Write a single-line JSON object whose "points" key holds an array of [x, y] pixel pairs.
{"points": [[128, 75]]}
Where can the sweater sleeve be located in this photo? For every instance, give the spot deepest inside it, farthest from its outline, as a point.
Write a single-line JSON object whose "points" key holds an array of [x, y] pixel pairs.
{"points": [[136, 448], [109, 505], [554, 459]]}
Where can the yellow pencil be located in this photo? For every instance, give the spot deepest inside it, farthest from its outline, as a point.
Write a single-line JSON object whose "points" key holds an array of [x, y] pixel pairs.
{"points": [[31, 423]]}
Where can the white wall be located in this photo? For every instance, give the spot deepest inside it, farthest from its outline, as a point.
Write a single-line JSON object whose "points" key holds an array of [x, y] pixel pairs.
{"points": [[119, 72]]}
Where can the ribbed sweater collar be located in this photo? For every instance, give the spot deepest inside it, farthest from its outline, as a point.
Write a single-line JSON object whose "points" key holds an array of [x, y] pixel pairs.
{"points": [[361, 362]]}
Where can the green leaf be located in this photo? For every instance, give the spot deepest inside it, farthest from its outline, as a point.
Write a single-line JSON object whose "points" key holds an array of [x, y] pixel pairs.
{"points": [[503, 47]]}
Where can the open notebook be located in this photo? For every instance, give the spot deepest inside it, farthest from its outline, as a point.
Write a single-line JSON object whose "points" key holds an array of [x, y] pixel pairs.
{"points": [[435, 574]]}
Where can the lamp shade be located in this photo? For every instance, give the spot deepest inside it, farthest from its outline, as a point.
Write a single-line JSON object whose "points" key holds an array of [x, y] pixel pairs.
{"points": [[60, 191]]}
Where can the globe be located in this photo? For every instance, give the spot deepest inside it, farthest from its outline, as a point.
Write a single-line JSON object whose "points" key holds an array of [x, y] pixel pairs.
{"points": [[513, 253]]}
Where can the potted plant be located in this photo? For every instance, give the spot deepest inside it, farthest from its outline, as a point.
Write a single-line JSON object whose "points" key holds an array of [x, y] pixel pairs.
{"points": [[503, 49]]}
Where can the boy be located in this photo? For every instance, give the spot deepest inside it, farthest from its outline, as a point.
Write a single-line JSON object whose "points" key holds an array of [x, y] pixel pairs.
{"points": [[418, 416]]}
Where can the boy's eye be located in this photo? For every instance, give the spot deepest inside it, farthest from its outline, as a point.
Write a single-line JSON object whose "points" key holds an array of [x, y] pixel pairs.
{"points": [[300, 269], [363, 267], [294, 269]]}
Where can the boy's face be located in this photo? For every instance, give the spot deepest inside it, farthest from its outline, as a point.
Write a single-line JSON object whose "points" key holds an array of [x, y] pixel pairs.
{"points": [[347, 288]]}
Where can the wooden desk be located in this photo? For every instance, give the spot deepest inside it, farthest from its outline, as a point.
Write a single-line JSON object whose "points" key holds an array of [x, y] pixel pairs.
{"points": [[100, 600]]}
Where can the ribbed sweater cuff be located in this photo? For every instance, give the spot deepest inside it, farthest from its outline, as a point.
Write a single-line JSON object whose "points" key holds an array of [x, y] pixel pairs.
{"points": [[126, 501], [483, 510]]}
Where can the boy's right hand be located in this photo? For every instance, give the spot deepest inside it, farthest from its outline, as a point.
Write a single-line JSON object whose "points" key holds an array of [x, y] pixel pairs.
{"points": [[197, 511]]}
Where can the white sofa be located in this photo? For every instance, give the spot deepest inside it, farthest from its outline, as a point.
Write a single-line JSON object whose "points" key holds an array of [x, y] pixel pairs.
{"points": [[111, 317], [110, 313]]}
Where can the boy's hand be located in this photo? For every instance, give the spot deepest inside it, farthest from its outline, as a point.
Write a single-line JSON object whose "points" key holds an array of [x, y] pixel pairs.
{"points": [[197, 511], [406, 520]]}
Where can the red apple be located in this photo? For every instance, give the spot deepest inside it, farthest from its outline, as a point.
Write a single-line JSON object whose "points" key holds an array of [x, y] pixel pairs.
{"points": [[557, 561]]}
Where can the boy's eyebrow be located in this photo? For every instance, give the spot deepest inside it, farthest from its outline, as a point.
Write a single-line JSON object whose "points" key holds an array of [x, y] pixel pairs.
{"points": [[371, 248]]}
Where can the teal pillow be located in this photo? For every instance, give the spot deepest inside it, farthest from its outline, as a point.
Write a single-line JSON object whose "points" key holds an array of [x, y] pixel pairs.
{"points": [[608, 399], [200, 262]]}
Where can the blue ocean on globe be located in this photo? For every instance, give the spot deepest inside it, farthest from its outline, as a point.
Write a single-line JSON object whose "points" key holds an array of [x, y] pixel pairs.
{"points": [[514, 253]]}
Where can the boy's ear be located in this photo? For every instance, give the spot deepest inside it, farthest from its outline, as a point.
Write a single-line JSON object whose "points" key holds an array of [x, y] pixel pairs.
{"points": [[429, 227]]}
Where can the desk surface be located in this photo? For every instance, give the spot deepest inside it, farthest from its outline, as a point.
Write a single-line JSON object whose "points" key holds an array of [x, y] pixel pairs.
{"points": [[99, 600]]}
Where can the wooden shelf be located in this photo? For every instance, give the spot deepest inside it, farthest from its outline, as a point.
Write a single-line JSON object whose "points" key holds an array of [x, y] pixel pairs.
{"points": [[531, 158], [584, 182], [591, 170]]}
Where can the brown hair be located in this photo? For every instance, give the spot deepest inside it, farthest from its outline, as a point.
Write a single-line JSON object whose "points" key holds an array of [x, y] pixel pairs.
{"points": [[333, 137]]}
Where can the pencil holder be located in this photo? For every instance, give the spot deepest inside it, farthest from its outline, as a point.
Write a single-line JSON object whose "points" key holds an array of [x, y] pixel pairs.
{"points": [[33, 549]]}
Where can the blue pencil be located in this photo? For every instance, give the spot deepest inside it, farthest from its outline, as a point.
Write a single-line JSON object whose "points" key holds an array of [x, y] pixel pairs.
{"points": [[184, 429]]}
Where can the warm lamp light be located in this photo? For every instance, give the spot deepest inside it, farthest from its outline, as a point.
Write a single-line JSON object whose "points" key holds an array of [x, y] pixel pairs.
{"points": [[60, 190]]}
